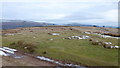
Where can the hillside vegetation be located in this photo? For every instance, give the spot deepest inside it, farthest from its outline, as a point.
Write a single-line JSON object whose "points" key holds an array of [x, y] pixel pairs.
{"points": [[76, 51]]}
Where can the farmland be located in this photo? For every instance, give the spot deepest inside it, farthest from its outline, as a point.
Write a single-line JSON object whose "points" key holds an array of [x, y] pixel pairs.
{"points": [[76, 51]]}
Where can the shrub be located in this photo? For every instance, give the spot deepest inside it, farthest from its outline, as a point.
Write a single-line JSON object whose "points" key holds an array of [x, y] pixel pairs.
{"points": [[44, 52], [30, 47], [95, 42], [90, 39], [51, 29], [20, 42], [97, 32], [71, 29], [31, 31], [23, 46], [13, 43]]}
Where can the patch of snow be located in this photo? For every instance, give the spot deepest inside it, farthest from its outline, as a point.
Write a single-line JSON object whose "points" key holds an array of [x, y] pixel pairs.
{"points": [[9, 49], [87, 32], [112, 47], [85, 37], [55, 34], [106, 36], [45, 59], [68, 64], [56, 62], [3, 53], [51, 39], [78, 37], [108, 43], [116, 46]]}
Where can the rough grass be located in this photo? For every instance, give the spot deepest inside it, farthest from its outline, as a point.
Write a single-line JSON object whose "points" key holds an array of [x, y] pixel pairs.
{"points": [[74, 51], [23, 46]]}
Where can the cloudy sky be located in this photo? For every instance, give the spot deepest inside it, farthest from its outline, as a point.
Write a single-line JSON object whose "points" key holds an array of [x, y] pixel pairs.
{"points": [[97, 12]]}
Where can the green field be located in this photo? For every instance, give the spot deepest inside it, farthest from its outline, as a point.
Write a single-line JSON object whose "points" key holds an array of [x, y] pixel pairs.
{"points": [[74, 51]]}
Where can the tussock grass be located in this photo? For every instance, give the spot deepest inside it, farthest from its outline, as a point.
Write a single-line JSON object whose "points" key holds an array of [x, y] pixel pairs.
{"points": [[23, 46]]}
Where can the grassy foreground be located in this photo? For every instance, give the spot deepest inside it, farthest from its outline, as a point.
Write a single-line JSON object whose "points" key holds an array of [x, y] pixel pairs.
{"points": [[74, 51]]}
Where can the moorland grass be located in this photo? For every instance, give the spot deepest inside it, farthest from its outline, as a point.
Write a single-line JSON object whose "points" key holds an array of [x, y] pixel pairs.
{"points": [[74, 51]]}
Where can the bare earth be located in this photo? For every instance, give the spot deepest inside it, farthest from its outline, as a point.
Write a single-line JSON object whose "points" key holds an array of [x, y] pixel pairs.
{"points": [[25, 61]]}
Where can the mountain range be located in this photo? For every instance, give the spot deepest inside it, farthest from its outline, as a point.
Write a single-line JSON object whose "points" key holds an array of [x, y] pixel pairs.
{"points": [[11, 24]]}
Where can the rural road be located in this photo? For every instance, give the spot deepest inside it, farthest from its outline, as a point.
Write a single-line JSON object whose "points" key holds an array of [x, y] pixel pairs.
{"points": [[26, 60]]}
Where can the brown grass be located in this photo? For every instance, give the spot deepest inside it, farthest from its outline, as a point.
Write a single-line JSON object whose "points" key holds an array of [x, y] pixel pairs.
{"points": [[22, 45]]}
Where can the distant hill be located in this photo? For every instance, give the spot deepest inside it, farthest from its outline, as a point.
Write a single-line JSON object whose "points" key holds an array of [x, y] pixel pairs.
{"points": [[11, 24], [77, 24]]}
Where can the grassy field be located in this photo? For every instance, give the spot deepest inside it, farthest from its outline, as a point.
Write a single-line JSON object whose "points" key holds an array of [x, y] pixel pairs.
{"points": [[73, 51]]}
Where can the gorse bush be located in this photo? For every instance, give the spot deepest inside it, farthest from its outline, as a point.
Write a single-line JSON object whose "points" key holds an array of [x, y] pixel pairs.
{"points": [[24, 46]]}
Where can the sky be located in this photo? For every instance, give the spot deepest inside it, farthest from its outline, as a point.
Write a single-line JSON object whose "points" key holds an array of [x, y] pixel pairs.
{"points": [[93, 12]]}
